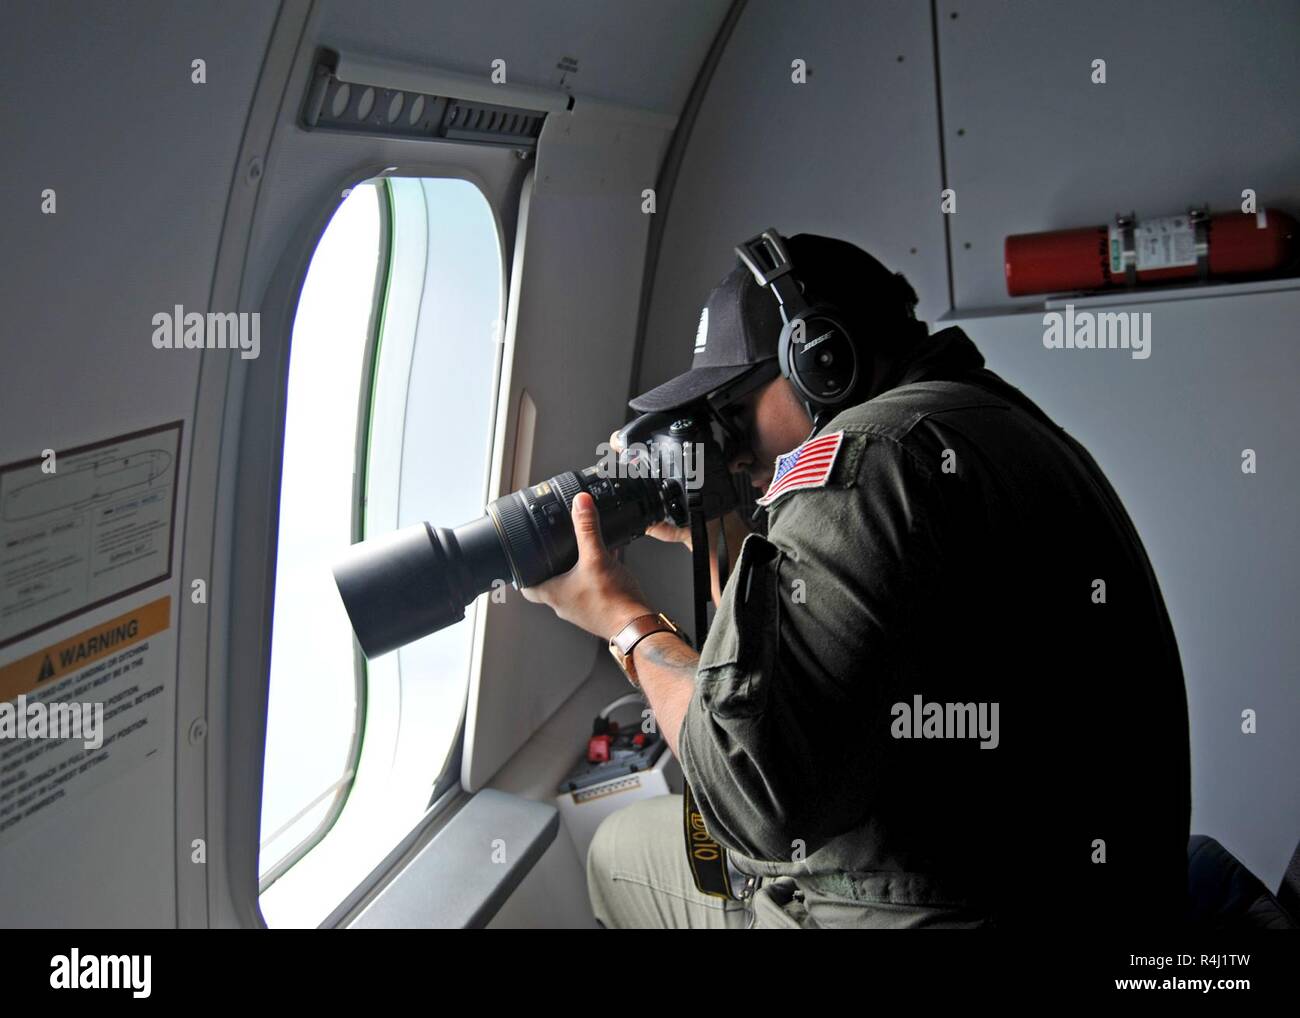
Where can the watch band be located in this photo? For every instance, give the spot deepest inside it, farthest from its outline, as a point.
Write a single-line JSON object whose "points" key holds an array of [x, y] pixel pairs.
{"points": [[622, 643]]}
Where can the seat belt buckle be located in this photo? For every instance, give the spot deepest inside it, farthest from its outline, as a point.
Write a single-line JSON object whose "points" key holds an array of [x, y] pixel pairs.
{"points": [[747, 882]]}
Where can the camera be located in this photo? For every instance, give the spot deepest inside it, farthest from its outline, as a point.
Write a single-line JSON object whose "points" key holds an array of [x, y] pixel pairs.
{"points": [[418, 580]]}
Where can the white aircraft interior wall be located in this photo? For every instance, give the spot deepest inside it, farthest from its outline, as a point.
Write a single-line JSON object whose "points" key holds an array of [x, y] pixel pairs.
{"points": [[141, 167], [212, 196], [158, 204], [1031, 143]]}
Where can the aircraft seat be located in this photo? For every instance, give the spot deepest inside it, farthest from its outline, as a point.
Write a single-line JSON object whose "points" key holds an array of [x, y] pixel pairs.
{"points": [[1224, 895]]}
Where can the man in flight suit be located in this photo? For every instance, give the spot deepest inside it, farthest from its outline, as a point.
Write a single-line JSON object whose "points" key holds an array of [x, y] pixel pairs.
{"points": [[941, 688]]}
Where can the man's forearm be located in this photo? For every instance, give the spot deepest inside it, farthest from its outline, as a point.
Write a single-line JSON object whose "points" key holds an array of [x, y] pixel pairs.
{"points": [[665, 667]]}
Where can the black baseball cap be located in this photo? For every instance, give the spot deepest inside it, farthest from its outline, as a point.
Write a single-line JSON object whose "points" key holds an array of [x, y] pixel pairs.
{"points": [[740, 324]]}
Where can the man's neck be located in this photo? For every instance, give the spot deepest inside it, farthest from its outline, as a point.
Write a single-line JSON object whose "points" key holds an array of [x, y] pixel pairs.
{"points": [[883, 368]]}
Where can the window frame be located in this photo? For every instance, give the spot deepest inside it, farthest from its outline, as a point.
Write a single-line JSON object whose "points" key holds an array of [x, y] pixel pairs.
{"points": [[447, 787], [361, 446]]}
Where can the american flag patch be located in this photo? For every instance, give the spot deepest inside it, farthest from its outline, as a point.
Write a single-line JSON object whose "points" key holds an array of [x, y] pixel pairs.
{"points": [[809, 466]]}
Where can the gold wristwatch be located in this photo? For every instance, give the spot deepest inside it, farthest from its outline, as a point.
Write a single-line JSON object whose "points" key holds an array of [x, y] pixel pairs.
{"points": [[622, 643]]}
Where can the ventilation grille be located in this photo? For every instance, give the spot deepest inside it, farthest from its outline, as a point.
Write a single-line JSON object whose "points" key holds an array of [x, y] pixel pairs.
{"points": [[369, 109]]}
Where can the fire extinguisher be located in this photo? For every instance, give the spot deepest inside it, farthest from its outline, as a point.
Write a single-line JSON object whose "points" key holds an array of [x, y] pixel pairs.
{"points": [[1135, 252]]}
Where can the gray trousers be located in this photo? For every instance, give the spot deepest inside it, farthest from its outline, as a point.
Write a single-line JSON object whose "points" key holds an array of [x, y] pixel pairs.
{"points": [[638, 878]]}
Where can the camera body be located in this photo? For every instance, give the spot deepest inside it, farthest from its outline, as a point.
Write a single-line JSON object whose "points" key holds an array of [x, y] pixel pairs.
{"points": [[418, 580]]}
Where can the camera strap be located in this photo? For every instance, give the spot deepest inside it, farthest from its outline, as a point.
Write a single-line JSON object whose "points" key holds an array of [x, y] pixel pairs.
{"points": [[702, 582], [706, 858]]}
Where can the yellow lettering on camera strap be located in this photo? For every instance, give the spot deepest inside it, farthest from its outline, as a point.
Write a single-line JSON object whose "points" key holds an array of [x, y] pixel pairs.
{"points": [[708, 859]]}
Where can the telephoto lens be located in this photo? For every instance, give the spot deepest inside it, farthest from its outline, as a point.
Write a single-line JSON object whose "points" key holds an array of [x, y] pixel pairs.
{"points": [[418, 580]]}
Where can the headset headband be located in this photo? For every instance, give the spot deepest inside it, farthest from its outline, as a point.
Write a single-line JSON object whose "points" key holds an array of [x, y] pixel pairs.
{"points": [[826, 380], [766, 257]]}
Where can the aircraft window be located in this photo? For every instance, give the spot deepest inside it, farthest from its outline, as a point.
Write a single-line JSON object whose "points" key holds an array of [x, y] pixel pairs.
{"points": [[393, 374], [312, 721]]}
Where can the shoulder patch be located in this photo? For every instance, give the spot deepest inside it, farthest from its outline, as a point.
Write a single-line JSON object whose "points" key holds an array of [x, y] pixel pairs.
{"points": [[808, 466]]}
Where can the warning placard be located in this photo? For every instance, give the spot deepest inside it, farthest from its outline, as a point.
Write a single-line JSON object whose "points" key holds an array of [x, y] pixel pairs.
{"points": [[79, 712], [76, 652], [80, 527]]}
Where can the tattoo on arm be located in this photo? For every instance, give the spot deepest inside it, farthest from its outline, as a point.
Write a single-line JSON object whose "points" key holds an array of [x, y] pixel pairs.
{"points": [[672, 654]]}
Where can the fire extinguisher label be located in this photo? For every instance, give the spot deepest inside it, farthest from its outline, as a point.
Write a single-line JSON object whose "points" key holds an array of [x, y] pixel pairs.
{"points": [[1164, 242]]}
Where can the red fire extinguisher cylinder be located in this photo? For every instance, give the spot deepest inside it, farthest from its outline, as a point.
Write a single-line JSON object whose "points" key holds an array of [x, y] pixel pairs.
{"points": [[1238, 245]]}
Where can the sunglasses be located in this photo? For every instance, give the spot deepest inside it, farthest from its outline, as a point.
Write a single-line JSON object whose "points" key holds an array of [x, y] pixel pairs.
{"points": [[726, 403]]}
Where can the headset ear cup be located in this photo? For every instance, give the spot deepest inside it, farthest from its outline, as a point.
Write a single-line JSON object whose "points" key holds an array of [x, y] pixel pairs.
{"points": [[790, 364], [783, 354], [786, 356]]}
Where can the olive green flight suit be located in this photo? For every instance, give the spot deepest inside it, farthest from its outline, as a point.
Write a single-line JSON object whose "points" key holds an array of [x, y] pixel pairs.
{"points": [[916, 706]]}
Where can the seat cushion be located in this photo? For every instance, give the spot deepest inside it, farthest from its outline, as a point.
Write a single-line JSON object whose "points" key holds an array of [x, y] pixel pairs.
{"points": [[1224, 894]]}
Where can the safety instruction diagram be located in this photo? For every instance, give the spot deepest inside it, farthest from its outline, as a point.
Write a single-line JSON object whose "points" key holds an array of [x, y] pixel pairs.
{"points": [[81, 527]]}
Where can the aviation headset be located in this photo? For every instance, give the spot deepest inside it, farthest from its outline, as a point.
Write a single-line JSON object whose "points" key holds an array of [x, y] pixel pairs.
{"points": [[816, 351]]}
